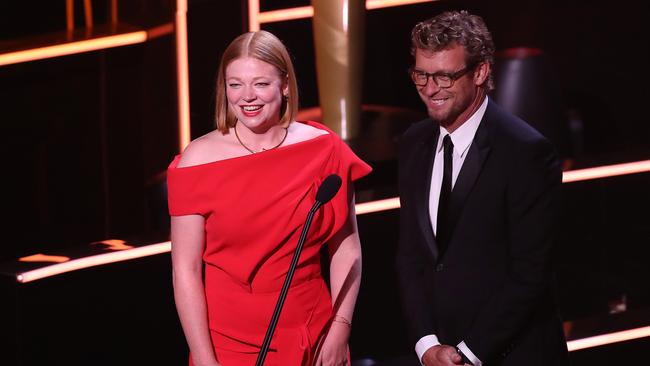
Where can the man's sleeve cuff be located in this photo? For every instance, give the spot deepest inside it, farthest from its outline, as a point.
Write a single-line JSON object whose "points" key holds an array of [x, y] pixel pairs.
{"points": [[469, 354], [424, 344]]}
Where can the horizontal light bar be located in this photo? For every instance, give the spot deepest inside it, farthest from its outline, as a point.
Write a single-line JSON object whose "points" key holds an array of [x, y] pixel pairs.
{"points": [[567, 177], [361, 209], [87, 45], [303, 12], [378, 4], [603, 339], [606, 171], [73, 47], [376, 206], [282, 15], [94, 260]]}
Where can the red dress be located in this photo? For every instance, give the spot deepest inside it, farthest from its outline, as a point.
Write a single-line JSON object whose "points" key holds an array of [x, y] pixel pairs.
{"points": [[254, 208]]}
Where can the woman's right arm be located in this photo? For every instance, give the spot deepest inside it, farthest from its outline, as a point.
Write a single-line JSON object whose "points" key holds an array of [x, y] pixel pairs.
{"points": [[187, 236]]}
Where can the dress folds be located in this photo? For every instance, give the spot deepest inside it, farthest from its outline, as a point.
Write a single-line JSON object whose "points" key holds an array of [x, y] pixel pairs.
{"points": [[254, 208]]}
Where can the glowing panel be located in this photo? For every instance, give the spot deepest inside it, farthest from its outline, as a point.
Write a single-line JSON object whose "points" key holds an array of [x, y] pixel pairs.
{"points": [[609, 338]]}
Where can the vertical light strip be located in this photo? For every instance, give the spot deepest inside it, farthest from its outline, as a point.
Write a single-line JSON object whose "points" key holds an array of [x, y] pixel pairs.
{"points": [[114, 14], [182, 75], [88, 13], [69, 15], [253, 15]]}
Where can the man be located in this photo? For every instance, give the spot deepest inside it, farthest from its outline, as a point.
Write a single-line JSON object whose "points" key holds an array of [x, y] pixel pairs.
{"points": [[479, 193]]}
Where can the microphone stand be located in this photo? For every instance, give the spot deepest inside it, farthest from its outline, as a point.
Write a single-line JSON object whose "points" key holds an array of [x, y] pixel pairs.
{"points": [[285, 287]]}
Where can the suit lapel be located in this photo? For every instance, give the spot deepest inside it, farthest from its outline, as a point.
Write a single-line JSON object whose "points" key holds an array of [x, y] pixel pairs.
{"points": [[478, 152], [424, 166]]}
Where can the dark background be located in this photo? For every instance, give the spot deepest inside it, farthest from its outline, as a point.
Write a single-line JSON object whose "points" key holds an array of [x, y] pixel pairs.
{"points": [[86, 138]]}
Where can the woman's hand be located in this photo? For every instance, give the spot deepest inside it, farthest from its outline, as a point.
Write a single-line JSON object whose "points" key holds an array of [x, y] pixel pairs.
{"points": [[334, 349]]}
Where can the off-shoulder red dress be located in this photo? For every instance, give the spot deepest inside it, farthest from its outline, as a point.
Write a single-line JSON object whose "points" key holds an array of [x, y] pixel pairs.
{"points": [[254, 208]]}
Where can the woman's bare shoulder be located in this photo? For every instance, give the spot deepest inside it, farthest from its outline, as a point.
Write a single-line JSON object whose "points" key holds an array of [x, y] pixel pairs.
{"points": [[303, 132], [205, 149]]}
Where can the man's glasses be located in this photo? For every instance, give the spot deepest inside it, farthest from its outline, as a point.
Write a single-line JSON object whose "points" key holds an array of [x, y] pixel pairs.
{"points": [[442, 79]]}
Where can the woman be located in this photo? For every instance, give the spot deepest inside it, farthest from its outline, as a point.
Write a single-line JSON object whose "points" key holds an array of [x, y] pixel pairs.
{"points": [[238, 198]]}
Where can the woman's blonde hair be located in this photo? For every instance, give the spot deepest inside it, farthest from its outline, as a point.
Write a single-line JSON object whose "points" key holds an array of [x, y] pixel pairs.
{"points": [[266, 47]]}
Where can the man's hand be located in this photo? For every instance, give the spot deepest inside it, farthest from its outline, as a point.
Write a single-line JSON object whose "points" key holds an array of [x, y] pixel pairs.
{"points": [[441, 355]]}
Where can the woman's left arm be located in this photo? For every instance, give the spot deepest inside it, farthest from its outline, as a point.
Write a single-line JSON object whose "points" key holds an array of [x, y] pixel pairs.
{"points": [[345, 279]]}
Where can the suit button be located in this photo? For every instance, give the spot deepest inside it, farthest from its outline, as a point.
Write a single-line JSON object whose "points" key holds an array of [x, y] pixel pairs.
{"points": [[439, 267]]}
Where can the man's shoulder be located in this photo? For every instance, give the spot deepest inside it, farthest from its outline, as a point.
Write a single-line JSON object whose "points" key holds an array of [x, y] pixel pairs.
{"points": [[509, 127], [419, 130]]}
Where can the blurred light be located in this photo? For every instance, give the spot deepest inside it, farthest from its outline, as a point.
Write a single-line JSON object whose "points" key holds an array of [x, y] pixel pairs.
{"points": [[115, 244], [44, 258]]}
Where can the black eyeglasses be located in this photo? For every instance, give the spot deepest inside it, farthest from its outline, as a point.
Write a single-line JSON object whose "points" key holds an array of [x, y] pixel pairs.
{"points": [[442, 79]]}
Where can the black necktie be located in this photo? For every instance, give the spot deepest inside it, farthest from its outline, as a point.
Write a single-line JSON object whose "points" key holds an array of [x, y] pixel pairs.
{"points": [[445, 194]]}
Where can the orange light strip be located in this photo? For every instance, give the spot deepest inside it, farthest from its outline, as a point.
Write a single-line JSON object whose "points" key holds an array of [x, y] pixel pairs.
{"points": [[73, 47], [606, 171], [92, 261], [255, 18], [182, 75], [603, 339]]}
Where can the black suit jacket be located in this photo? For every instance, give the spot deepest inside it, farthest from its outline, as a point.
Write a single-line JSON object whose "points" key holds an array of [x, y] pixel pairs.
{"points": [[492, 287]]}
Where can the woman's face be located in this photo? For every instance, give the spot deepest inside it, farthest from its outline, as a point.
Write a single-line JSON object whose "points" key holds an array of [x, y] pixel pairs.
{"points": [[255, 91]]}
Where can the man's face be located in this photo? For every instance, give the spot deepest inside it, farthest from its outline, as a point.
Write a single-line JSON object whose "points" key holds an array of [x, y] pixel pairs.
{"points": [[451, 106]]}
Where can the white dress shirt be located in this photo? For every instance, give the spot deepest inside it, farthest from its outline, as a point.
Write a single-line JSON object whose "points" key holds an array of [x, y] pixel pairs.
{"points": [[462, 138]]}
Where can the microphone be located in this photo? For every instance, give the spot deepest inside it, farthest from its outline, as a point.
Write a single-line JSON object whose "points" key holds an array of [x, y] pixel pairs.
{"points": [[325, 193], [328, 189]]}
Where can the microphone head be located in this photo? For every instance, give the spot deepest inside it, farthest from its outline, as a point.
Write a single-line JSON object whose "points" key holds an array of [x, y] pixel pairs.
{"points": [[328, 189]]}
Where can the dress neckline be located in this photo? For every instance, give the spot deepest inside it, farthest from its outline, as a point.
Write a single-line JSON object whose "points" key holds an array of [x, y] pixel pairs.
{"points": [[328, 133]]}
